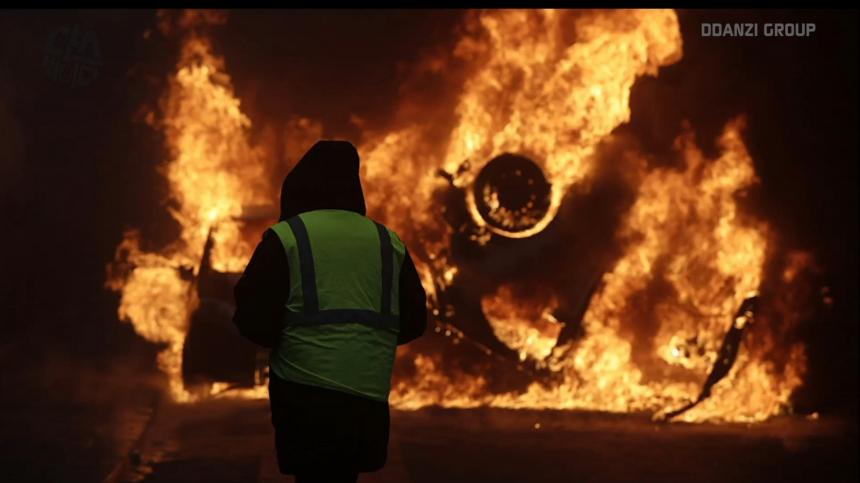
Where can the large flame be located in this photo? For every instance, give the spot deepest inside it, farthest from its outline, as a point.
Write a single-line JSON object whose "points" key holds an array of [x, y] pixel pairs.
{"points": [[535, 92], [212, 173], [550, 85], [687, 220]]}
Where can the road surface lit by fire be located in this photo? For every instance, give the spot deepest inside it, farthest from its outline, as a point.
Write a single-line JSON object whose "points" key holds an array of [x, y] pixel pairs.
{"points": [[231, 440]]}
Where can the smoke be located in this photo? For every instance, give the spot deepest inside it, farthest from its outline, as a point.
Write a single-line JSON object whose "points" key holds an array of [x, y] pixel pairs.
{"points": [[584, 233]]}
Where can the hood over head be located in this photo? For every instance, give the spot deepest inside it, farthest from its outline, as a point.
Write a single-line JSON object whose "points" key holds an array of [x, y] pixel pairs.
{"points": [[327, 177]]}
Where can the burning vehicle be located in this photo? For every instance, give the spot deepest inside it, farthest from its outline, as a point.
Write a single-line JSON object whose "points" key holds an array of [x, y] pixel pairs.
{"points": [[213, 352], [566, 268]]}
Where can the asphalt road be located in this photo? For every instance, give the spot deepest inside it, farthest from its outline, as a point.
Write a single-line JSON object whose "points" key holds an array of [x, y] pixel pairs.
{"points": [[231, 440]]}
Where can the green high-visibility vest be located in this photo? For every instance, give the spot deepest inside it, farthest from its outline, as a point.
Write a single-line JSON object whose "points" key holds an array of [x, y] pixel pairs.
{"points": [[342, 313]]}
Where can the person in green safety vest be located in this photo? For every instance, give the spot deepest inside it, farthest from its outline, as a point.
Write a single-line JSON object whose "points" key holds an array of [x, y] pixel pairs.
{"points": [[332, 293]]}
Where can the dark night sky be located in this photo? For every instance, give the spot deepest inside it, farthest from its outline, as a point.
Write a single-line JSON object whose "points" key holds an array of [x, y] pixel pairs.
{"points": [[77, 169]]}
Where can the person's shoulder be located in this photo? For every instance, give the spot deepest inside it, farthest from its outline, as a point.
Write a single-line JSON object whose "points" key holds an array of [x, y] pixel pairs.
{"points": [[395, 238], [394, 235]]}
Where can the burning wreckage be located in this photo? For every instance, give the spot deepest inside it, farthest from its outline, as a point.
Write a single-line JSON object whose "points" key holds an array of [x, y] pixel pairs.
{"points": [[564, 270], [511, 194]]}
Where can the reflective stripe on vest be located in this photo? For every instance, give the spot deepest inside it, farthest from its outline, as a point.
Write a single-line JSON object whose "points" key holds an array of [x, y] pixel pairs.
{"points": [[310, 313]]}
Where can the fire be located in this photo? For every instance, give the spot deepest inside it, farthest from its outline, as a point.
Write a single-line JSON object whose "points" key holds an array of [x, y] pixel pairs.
{"points": [[534, 94], [213, 172], [551, 86], [537, 94], [688, 220], [158, 300], [528, 326]]}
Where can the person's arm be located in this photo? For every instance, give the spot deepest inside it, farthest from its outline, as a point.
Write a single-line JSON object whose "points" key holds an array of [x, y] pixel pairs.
{"points": [[413, 303], [262, 292]]}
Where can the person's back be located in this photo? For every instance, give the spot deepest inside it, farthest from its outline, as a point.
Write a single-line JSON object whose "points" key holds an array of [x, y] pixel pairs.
{"points": [[333, 293], [342, 313]]}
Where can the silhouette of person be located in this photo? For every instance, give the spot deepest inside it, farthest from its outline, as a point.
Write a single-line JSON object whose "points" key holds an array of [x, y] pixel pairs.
{"points": [[332, 293]]}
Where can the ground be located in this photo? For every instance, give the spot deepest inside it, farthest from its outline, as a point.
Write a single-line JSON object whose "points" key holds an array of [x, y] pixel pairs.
{"points": [[231, 440], [111, 425]]}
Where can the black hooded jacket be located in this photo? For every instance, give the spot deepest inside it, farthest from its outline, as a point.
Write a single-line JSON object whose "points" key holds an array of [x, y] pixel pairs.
{"points": [[327, 177]]}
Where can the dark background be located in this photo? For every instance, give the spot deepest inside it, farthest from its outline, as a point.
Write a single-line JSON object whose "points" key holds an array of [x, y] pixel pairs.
{"points": [[79, 166]]}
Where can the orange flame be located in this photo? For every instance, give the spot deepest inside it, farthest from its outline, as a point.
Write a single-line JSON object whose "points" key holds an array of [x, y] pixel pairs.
{"points": [[551, 85], [213, 171], [537, 94]]}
